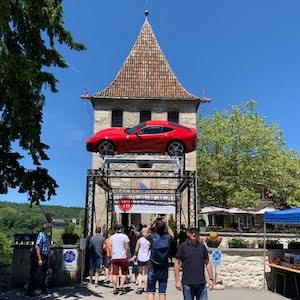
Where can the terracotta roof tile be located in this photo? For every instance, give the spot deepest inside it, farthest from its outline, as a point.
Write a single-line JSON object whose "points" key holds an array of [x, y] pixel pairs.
{"points": [[146, 73]]}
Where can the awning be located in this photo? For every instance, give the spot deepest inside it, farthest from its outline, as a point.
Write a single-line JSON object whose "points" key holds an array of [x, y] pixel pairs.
{"points": [[236, 210], [264, 210], [288, 216], [212, 209]]}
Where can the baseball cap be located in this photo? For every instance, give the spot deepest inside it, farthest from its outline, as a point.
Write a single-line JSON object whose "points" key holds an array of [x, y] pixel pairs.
{"points": [[193, 230]]}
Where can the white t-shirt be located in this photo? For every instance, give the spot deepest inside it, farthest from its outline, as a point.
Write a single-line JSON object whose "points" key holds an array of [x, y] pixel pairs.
{"points": [[118, 242], [144, 250]]}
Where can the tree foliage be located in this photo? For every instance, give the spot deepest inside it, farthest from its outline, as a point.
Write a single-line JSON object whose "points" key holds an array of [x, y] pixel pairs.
{"points": [[242, 159], [20, 218], [29, 34], [5, 250]]}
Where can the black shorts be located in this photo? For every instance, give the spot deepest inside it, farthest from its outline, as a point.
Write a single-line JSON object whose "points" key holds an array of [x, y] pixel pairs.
{"points": [[143, 263], [107, 262]]}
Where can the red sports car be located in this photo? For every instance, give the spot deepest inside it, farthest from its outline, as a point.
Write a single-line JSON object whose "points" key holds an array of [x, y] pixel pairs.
{"points": [[148, 137]]}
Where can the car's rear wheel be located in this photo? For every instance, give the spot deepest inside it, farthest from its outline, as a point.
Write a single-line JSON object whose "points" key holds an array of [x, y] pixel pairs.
{"points": [[106, 148], [175, 148]]}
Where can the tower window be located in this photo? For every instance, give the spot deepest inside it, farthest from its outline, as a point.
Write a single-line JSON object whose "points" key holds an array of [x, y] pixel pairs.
{"points": [[145, 116], [173, 116], [117, 118]]}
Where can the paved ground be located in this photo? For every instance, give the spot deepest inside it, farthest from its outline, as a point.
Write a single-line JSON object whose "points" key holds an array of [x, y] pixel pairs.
{"points": [[89, 291]]}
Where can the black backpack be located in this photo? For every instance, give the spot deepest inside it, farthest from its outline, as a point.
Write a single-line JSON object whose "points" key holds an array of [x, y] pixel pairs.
{"points": [[160, 250]]}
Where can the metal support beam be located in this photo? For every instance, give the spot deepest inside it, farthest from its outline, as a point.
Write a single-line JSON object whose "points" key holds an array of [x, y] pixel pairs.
{"points": [[109, 210], [89, 206], [178, 211], [156, 197], [192, 199]]}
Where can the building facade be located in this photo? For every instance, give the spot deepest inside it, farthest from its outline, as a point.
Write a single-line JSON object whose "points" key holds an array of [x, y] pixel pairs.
{"points": [[144, 89]]}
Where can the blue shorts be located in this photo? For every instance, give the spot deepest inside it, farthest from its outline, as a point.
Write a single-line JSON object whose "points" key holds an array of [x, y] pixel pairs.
{"points": [[190, 292], [159, 274], [96, 263]]}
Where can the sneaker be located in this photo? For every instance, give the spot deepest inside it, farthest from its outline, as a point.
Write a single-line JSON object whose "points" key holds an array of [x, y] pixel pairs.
{"points": [[106, 281], [96, 284], [116, 292], [46, 291], [122, 291], [139, 291]]}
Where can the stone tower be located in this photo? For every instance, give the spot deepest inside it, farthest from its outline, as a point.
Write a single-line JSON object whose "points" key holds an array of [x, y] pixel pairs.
{"points": [[145, 88]]}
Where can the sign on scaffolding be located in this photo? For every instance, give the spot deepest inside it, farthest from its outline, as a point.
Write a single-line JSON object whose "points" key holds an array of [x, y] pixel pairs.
{"points": [[144, 204]]}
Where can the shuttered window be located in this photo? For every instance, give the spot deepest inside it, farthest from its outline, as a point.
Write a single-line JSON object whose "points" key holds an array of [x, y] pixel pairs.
{"points": [[173, 116], [145, 116], [117, 118]]}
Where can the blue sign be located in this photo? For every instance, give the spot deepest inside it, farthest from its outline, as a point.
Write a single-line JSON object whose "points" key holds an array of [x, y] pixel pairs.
{"points": [[216, 257], [69, 256]]}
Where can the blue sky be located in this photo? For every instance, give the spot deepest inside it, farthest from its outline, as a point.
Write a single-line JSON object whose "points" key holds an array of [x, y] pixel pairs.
{"points": [[235, 50]]}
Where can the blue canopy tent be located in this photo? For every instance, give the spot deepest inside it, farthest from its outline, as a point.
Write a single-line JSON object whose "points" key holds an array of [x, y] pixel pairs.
{"points": [[280, 217]]}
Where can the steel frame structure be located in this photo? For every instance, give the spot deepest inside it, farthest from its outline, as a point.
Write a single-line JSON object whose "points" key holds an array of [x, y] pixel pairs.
{"points": [[186, 183]]}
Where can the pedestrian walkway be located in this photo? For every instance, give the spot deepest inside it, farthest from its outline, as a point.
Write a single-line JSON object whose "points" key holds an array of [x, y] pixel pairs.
{"points": [[90, 292]]}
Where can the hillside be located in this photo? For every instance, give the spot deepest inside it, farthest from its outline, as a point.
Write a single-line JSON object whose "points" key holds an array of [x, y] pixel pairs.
{"points": [[21, 218]]}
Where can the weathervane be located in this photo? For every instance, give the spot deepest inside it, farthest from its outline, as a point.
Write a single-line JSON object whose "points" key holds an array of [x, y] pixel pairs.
{"points": [[146, 10], [204, 97]]}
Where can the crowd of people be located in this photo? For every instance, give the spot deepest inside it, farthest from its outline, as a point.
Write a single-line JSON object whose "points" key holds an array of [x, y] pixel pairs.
{"points": [[149, 250]]}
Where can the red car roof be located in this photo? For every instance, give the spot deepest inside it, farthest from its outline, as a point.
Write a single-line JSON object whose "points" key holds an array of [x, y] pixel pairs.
{"points": [[158, 122]]}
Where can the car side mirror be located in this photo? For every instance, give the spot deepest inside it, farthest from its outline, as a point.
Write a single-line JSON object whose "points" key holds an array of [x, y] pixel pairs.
{"points": [[138, 133]]}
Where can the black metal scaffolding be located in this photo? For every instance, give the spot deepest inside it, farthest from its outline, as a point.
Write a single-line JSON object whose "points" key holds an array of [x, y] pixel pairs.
{"points": [[185, 183]]}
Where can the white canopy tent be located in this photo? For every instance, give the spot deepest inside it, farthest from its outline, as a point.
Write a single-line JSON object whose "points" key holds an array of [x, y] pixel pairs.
{"points": [[236, 215]]}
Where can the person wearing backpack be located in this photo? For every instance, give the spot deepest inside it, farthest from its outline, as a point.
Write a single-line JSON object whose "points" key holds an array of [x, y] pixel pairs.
{"points": [[158, 269]]}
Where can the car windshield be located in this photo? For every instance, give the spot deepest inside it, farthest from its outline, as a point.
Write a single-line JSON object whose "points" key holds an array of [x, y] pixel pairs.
{"points": [[135, 128]]}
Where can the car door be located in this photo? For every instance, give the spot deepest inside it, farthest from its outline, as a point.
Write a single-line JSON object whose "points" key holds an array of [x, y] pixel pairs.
{"points": [[151, 139]]}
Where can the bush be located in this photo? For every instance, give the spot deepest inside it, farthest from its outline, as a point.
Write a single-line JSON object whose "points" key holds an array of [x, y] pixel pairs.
{"points": [[70, 237], [273, 244], [5, 250], [238, 243], [294, 244]]}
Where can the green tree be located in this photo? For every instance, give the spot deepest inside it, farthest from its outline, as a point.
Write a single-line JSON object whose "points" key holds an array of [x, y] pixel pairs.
{"points": [[8, 218], [241, 159], [5, 250], [29, 34]]}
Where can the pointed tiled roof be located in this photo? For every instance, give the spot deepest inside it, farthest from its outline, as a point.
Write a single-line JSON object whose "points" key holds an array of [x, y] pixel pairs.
{"points": [[146, 74]]}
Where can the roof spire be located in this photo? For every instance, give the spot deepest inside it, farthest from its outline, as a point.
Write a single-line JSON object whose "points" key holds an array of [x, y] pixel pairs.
{"points": [[146, 12]]}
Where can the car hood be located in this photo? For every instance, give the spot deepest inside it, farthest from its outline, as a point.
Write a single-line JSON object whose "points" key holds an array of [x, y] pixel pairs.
{"points": [[107, 132]]}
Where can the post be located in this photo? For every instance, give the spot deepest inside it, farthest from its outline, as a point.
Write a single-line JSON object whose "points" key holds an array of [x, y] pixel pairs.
{"points": [[265, 230], [82, 267], [215, 274]]}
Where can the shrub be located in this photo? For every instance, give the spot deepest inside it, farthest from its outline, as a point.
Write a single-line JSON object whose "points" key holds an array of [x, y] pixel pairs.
{"points": [[5, 250], [273, 244], [238, 243], [70, 236], [260, 243]]}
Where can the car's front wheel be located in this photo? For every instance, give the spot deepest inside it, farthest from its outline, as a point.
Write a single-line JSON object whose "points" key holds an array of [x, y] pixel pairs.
{"points": [[175, 148], [106, 148]]}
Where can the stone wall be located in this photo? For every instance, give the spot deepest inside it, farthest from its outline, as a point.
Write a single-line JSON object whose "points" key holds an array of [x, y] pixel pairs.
{"points": [[131, 116], [242, 268], [21, 266]]}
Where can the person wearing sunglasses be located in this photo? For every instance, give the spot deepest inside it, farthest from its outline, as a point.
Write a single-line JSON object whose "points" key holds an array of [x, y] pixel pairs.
{"points": [[193, 256]]}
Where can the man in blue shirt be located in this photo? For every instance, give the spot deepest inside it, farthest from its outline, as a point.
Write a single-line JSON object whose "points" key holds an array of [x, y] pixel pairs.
{"points": [[193, 256], [40, 263]]}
